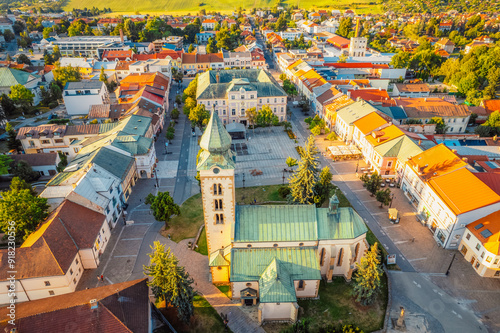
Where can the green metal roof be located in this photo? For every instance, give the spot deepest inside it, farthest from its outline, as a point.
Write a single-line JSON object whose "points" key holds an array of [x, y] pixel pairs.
{"points": [[217, 259], [103, 128], [134, 144], [275, 223], [113, 162], [216, 145], [234, 80], [276, 284], [402, 148], [10, 77], [248, 264], [60, 178], [345, 224]]}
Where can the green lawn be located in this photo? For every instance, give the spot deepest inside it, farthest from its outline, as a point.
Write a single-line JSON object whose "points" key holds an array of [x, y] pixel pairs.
{"points": [[205, 318], [177, 7], [202, 243], [226, 289], [187, 224]]}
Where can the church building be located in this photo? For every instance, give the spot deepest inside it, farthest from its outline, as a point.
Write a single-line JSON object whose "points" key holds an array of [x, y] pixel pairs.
{"points": [[271, 255]]}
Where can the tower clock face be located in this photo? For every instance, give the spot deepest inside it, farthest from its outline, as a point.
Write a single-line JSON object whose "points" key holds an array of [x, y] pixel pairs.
{"points": [[216, 170]]}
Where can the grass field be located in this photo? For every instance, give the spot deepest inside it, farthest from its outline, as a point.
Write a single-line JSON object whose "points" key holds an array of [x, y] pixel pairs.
{"points": [[179, 7]]}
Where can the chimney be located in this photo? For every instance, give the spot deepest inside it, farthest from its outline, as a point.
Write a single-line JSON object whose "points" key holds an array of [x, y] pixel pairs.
{"points": [[419, 142], [333, 205], [121, 35], [217, 77], [93, 304], [357, 28]]}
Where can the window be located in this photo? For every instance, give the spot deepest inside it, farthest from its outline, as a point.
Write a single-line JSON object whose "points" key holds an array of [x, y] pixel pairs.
{"points": [[275, 100], [301, 285], [249, 284], [488, 259], [249, 245], [301, 244], [45, 142], [468, 236], [322, 257], [51, 292], [451, 129], [242, 97], [482, 255], [464, 250], [233, 112], [71, 271], [219, 218], [251, 96], [218, 204], [389, 164], [495, 262], [232, 97], [341, 255], [77, 261], [74, 281], [478, 246], [356, 252], [47, 283], [58, 140], [497, 273], [477, 265]]}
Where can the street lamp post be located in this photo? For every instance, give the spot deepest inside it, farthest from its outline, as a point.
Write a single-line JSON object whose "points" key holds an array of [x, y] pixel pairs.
{"points": [[357, 165], [243, 180], [392, 198], [283, 176]]}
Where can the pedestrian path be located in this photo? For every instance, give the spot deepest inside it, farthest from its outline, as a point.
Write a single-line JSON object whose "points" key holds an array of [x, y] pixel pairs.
{"points": [[197, 267]]}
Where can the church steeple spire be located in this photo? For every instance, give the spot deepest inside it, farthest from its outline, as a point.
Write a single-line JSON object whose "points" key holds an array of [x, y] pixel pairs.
{"points": [[216, 145]]}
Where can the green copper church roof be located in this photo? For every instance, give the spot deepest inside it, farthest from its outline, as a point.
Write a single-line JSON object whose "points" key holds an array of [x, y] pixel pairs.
{"points": [[276, 284], [217, 259], [215, 139], [216, 145]]}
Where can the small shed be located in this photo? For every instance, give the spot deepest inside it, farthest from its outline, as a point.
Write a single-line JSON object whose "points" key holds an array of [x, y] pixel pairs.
{"points": [[236, 130]]}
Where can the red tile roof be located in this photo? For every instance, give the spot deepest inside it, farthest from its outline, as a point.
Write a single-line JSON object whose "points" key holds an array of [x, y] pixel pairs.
{"points": [[117, 54], [121, 308], [375, 95]]}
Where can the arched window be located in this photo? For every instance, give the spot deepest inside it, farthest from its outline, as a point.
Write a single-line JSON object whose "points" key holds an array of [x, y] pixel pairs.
{"points": [[219, 188], [219, 218], [215, 189], [341, 254], [301, 285], [322, 257], [218, 204], [356, 252]]}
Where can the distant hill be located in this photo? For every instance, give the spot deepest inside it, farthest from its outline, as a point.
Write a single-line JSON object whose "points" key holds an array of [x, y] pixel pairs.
{"points": [[194, 6], [436, 6]]}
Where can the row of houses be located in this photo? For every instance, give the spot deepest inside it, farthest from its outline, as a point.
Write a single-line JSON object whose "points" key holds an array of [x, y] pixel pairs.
{"points": [[433, 177]]}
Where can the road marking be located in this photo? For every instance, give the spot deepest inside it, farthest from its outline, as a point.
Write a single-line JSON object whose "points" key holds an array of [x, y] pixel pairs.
{"points": [[126, 256], [127, 239], [417, 259], [107, 279], [400, 242], [392, 226], [358, 190], [385, 246], [381, 213], [374, 200], [417, 284]]}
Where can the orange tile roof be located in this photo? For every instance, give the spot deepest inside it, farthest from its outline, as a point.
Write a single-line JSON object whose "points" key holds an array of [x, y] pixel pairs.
{"points": [[492, 105], [491, 223], [338, 103], [436, 161], [369, 122], [462, 191], [384, 135], [375, 95]]}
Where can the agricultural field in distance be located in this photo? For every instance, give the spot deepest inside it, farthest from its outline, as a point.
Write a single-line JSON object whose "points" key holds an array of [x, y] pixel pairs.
{"points": [[179, 7]]}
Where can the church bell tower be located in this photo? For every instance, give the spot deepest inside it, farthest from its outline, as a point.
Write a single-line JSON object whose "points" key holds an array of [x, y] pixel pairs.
{"points": [[216, 165]]}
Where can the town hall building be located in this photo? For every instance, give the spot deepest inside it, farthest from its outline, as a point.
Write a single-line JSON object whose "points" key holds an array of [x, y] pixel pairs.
{"points": [[271, 255]]}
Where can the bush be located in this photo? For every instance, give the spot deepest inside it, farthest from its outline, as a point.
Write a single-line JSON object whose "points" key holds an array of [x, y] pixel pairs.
{"points": [[332, 136], [299, 150], [53, 104], [284, 191], [175, 114], [290, 134]]}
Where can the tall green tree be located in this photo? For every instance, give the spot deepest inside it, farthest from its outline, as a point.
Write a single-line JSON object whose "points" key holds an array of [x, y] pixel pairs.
{"points": [[345, 27], [323, 187], [24, 208], [103, 77], [191, 48], [66, 74], [25, 172], [170, 282], [303, 181], [373, 183], [367, 281], [211, 45], [21, 95], [266, 117], [199, 116], [251, 115], [8, 105], [12, 142], [163, 206], [189, 104], [384, 197], [5, 161]]}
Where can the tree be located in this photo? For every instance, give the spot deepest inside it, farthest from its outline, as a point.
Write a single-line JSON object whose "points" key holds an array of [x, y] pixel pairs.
{"points": [[373, 184], [24, 208], [25, 172], [266, 117], [175, 113], [190, 91], [291, 162], [367, 281], [323, 187], [384, 197], [17, 184], [332, 136], [493, 120], [211, 45], [199, 116], [282, 77], [345, 27], [103, 77], [440, 125], [23, 59], [63, 163], [8, 105], [191, 48], [252, 117], [163, 206], [170, 282], [5, 161], [189, 104], [303, 181], [401, 60], [8, 35], [66, 74], [12, 142], [22, 95]]}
